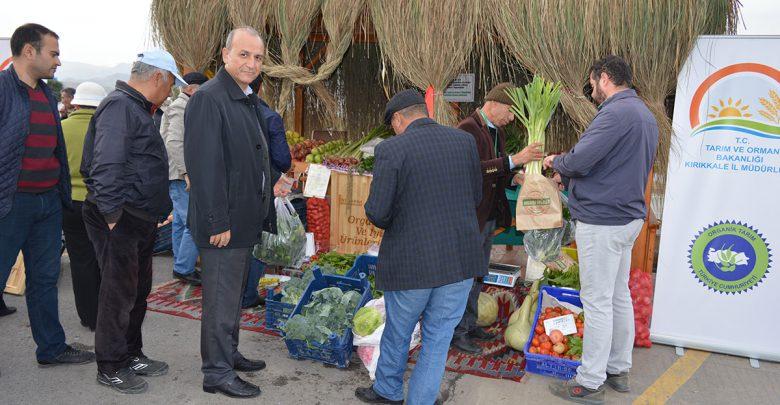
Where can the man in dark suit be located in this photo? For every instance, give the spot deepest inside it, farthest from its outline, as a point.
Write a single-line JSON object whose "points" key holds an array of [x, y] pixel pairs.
{"points": [[486, 126], [227, 160], [426, 188]]}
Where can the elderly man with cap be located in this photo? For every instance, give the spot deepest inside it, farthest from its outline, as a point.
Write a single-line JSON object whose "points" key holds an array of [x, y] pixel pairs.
{"points": [[486, 126], [84, 268], [125, 168], [427, 183], [185, 253]]}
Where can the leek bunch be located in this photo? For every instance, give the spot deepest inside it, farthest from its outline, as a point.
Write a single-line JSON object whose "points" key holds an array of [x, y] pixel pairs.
{"points": [[534, 105]]}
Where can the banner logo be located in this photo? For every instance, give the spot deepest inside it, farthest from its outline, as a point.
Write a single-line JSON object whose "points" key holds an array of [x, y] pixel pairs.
{"points": [[729, 257], [758, 117]]}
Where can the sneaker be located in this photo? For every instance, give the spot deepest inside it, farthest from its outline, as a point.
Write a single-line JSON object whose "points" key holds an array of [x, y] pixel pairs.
{"points": [[124, 381], [574, 392], [192, 278], [145, 366], [618, 382], [69, 356]]}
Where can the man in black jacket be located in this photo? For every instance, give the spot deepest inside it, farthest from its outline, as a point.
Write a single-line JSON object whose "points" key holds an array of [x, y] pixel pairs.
{"points": [[227, 160], [125, 169], [426, 188]]}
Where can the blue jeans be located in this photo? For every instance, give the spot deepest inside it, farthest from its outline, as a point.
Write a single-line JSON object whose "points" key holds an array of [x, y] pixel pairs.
{"points": [[256, 271], [185, 253], [441, 309], [34, 226]]}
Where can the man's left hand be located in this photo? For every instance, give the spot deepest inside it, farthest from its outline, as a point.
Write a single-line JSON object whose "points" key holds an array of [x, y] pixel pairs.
{"points": [[548, 161]]}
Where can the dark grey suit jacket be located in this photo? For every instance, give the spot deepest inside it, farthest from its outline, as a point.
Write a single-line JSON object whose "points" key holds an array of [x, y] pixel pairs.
{"points": [[426, 188]]}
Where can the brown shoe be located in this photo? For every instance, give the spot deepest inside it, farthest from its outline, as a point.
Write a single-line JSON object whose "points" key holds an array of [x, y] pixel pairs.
{"points": [[574, 392]]}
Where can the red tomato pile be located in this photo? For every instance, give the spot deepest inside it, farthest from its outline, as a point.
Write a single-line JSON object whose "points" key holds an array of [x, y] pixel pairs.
{"points": [[318, 221], [556, 344], [641, 285]]}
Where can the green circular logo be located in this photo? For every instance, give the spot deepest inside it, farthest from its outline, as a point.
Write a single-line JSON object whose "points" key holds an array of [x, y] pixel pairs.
{"points": [[729, 257]]}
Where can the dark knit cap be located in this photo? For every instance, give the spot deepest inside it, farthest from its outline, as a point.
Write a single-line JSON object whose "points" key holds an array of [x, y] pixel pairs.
{"points": [[195, 78], [401, 100], [498, 94]]}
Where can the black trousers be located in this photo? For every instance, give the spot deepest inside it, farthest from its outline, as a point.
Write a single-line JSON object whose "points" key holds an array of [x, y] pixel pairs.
{"points": [[124, 255], [84, 267]]}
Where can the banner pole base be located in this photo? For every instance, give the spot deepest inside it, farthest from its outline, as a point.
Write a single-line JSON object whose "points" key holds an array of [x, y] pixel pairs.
{"points": [[679, 350], [754, 363]]}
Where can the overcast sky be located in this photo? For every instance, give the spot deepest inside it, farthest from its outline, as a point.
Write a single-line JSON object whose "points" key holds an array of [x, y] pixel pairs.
{"points": [[108, 32]]}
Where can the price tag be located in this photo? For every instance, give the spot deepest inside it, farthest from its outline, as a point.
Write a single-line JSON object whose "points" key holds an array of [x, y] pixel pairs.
{"points": [[564, 323], [317, 181]]}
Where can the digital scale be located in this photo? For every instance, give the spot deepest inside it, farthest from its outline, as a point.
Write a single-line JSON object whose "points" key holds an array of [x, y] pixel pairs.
{"points": [[504, 275]]}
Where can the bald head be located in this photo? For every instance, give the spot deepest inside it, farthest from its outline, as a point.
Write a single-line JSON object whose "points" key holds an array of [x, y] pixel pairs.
{"points": [[243, 55]]}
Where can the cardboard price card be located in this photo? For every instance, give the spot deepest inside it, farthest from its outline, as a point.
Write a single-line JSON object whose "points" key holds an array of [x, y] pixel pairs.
{"points": [[564, 323], [317, 182]]}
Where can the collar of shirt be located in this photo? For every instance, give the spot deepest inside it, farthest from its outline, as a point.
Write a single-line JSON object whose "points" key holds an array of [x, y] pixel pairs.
{"points": [[248, 91], [487, 121]]}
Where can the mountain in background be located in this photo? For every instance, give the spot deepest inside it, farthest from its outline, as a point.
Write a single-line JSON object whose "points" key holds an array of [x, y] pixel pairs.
{"points": [[71, 74]]}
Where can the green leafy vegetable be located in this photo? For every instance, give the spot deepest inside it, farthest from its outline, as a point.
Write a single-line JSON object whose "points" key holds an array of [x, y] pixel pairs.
{"points": [[329, 312], [366, 320]]}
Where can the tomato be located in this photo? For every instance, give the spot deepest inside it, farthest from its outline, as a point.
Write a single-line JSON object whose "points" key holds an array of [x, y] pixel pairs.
{"points": [[566, 340], [548, 310], [543, 338], [533, 350], [546, 346], [539, 329], [535, 342], [544, 352], [567, 312]]}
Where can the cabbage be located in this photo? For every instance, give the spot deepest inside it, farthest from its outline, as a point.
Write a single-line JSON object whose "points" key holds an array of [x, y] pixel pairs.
{"points": [[487, 309], [366, 320]]}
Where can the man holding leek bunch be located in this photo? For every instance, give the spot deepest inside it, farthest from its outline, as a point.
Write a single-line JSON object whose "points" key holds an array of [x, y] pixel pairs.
{"points": [[486, 126], [606, 173]]}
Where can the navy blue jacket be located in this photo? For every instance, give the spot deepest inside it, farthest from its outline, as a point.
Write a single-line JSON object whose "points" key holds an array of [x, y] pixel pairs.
{"points": [[125, 164], [14, 128], [606, 171], [281, 160], [426, 188]]}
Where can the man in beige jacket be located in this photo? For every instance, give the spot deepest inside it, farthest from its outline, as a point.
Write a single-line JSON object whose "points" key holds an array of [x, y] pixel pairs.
{"points": [[185, 253]]}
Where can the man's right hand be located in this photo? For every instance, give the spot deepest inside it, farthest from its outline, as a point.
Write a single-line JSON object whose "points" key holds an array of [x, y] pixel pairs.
{"points": [[187, 182], [220, 240], [531, 152]]}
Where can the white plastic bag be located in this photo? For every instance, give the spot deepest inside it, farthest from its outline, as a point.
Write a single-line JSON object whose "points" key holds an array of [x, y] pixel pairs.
{"points": [[368, 346], [288, 246]]}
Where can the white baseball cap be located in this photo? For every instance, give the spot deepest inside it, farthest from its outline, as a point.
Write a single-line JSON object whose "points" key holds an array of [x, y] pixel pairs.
{"points": [[162, 60], [89, 94]]}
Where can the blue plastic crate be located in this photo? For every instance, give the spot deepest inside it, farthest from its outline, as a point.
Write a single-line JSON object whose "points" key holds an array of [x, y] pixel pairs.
{"points": [[545, 365], [365, 265], [276, 311], [338, 349]]}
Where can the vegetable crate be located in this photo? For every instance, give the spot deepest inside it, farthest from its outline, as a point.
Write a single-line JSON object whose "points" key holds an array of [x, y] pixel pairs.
{"points": [[338, 349], [365, 265], [276, 311], [563, 369]]}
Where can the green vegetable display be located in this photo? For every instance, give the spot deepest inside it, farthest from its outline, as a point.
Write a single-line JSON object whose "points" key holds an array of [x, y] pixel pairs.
{"points": [[569, 278], [329, 312], [575, 346], [340, 263]]}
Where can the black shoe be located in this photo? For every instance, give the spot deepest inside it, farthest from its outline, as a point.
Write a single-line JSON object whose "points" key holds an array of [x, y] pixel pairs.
{"points": [[124, 381], [618, 382], [481, 334], [256, 303], [368, 395], [145, 366], [573, 392], [192, 278], [247, 365], [237, 388], [464, 344], [4, 310], [69, 356]]}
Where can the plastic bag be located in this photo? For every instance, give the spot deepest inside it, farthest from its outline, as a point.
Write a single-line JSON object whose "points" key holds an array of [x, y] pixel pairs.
{"points": [[544, 245], [368, 346], [288, 246]]}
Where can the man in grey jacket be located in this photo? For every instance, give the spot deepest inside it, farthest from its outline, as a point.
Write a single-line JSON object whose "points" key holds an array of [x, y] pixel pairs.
{"points": [[606, 173], [185, 253], [229, 168]]}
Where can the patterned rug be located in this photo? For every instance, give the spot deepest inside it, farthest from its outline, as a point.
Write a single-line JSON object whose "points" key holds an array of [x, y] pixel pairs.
{"points": [[181, 299], [497, 361]]}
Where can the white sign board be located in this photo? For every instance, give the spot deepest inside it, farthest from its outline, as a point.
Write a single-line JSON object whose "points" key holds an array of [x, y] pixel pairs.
{"points": [[317, 181], [5, 53], [718, 282], [461, 90]]}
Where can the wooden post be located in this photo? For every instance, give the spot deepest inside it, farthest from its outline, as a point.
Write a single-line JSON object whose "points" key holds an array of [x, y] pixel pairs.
{"points": [[643, 253]]}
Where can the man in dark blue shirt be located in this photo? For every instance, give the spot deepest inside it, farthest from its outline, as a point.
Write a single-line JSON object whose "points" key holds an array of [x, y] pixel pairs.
{"points": [[281, 160], [606, 173]]}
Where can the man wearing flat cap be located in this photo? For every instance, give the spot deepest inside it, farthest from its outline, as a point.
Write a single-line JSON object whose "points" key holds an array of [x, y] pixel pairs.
{"points": [[425, 191], [486, 126]]}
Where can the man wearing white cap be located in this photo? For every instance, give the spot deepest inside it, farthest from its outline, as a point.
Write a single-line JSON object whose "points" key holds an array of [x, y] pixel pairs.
{"points": [[83, 263], [125, 169]]}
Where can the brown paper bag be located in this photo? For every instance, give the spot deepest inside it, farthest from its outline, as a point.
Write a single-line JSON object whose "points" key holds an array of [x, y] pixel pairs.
{"points": [[538, 205], [16, 280]]}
